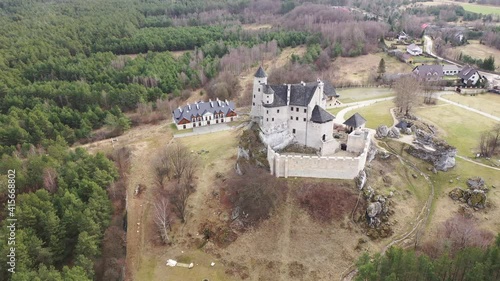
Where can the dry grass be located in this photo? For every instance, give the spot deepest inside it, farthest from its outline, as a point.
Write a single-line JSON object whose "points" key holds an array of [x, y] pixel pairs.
{"points": [[348, 95], [488, 103], [476, 50], [256, 26], [362, 69]]}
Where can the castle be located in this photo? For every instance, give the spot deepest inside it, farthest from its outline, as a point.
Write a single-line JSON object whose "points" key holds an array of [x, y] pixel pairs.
{"points": [[295, 113]]}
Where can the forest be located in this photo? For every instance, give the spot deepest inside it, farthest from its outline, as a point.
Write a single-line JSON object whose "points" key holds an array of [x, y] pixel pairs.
{"points": [[76, 71]]}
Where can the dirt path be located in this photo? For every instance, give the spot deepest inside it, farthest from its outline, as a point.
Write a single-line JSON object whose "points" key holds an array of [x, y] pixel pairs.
{"points": [[285, 238]]}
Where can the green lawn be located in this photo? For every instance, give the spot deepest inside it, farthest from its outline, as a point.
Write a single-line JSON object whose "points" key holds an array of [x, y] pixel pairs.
{"points": [[376, 114], [481, 9], [489, 103], [459, 127], [218, 144], [360, 94]]}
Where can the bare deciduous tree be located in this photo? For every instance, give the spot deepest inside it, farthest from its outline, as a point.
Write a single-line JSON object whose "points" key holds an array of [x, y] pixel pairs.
{"points": [[162, 219], [408, 92], [489, 141], [178, 198], [161, 169], [179, 159]]}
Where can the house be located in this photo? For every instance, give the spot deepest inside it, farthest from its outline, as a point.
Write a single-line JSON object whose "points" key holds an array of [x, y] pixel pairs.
{"points": [[404, 57], [294, 113], [414, 50], [450, 69], [470, 76], [202, 114], [429, 72], [403, 36]]}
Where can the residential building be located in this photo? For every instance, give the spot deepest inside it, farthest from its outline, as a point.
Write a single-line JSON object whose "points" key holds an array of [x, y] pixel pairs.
{"points": [[470, 76], [451, 69], [429, 72], [414, 50], [204, 114]]}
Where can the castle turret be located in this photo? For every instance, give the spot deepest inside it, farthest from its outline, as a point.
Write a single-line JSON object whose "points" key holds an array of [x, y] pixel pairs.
{"points": [[259, 80]]}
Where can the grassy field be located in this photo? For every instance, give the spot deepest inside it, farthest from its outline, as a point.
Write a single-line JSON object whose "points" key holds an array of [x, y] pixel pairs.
{"points": [[348, 95], [376, 114], [362, 69], [475, 8], [476, 50], [459, 127], [489, 103]]}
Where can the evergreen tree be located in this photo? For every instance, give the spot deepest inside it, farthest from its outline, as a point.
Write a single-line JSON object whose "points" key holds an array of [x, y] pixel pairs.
{"points": [[381, 68]]}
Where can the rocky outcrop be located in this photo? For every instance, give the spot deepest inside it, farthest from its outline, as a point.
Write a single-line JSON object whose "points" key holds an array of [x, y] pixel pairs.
{"points": [[475, 196], [393, 133], [382, 132], [377, 211], [278, 137], [372, 152], [361, 179], [437, 152]]}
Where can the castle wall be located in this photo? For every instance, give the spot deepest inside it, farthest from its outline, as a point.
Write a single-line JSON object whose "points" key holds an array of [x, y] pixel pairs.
{"points": [[334, 167]]}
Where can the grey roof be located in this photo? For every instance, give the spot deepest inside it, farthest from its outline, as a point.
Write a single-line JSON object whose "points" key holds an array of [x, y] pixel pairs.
{"points": [[450, 67], [280, 95], [403, 125], [427, 70], [301, 95], [413, 47], [200, 108], [319, 115], [260, 73], [467, 72], [355, 121]]}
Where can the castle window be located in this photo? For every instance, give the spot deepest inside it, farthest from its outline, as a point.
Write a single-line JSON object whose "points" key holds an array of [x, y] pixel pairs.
{"points": [[293, 131], [292, 108], [267, 119], [258, 90], [296, 118], [253, 96], [267, 101], [267, 111], [272, 119], [305, 110], [297, 109], [278, 111], [253, 103], [291, 117], [304, 119]]}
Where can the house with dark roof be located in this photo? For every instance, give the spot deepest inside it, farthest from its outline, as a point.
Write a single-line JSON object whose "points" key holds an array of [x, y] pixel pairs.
{"points": [[469, 76], [295, 111], [204, 114], [429, 72]]}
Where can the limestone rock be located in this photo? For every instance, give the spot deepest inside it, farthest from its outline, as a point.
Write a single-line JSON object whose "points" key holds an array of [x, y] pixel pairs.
{"points": [[368, 192], [361, 179], [475, 183], [382, 132], [477, 199], [243, 153], [372, 152], [374, 209], [438, 152], [393, 133], [456, 193], [408, 131]]}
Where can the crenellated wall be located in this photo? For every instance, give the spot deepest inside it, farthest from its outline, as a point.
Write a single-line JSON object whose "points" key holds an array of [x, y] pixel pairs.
{"points": [[335, 167]]}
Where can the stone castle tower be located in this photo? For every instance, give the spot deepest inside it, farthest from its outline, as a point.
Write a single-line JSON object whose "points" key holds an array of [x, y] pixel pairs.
{"points": [[259, 81]]}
